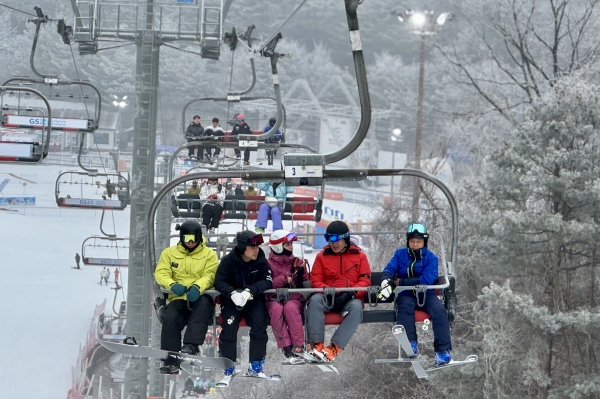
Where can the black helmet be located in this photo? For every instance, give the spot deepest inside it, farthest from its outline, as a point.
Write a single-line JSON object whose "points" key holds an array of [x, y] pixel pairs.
{"points": [[337, 230], [187, 228], [416, 230], [195, 183], [272, 122], [247, 237]]}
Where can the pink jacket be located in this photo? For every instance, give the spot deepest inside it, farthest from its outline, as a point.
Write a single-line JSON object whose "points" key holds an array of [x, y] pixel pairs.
{"points": [[282, 267]]}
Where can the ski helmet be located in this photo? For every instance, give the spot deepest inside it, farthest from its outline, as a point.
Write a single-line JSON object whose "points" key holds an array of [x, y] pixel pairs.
{"points": [[247, 237], [272, 122], [187, 229], [240, 117], [416, 230], [337, 230], [280, 237]]}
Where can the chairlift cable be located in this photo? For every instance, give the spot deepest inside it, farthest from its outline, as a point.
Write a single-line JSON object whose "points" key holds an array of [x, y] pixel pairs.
{"points": [[180, 49], [109, 48], [281, 27], [24, 12]]}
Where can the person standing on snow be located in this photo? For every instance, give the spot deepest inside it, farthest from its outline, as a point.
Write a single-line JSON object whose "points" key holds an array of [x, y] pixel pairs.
{"points": [[77, 259], [288, 271], [340, 264], [104, 275], [117, 276], [187, 269], [417, 265], [242, 277]]}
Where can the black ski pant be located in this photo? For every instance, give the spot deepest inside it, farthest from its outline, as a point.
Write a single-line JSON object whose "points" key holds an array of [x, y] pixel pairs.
{"points": [[177, 316], [211, 215], [191, 148], [257, 319], [405, 316]]}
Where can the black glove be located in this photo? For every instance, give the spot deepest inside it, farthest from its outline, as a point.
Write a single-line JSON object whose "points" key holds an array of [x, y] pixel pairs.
{"points": [[178, 289], [341, 299], [299, 276], [193, 293]]}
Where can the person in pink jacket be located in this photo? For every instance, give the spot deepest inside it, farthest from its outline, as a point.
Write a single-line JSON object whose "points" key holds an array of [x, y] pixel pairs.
{"points": [[288, 271]]}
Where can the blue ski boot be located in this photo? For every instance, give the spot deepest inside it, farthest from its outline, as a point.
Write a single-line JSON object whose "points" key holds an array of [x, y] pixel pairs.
{"points": [[442, 358], [415, 347]]}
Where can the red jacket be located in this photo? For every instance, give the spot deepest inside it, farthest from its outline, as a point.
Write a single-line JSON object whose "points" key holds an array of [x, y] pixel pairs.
{"points": [[348, 269]]}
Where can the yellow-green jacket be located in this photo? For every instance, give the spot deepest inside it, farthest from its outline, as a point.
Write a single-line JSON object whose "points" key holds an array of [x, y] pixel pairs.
{"points": [[177, 265]]}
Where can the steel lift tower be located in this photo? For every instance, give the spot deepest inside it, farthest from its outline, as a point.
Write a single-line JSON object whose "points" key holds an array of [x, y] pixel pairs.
{"points": [[148, 23]]}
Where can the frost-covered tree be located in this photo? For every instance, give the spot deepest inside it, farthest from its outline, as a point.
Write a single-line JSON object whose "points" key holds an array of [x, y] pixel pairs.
{"points": [[534, 219]]}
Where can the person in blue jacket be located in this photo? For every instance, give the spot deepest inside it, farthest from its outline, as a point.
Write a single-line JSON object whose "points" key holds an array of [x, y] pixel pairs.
{"points": [[274, 205], [417, 265], [275, 138]]}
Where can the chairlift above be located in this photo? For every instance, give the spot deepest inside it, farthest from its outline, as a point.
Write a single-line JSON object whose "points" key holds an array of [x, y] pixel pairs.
{"points": [[105, 251], [92, 190], [24, 147]]}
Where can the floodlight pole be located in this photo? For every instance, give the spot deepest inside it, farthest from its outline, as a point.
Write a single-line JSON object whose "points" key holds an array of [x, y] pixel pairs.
{"points": [[419, 132]]}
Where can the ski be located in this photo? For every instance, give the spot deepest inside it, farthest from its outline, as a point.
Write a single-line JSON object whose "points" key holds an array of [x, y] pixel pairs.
{"points": [[468, 359], [262, 376], [226, 380], [143, 351], [224, 383], [308, 359], [403, 344]]}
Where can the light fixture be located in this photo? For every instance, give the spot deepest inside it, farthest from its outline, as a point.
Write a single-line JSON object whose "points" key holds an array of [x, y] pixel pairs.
{"points": [[418, 19], [443, 18]]}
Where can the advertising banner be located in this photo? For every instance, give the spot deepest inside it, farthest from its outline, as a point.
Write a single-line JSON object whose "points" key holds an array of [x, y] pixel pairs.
{"points": [[17, 201]]}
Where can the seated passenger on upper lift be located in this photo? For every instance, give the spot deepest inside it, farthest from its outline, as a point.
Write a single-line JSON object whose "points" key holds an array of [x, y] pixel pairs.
{"points": [[213, 194], [274, 205], [216, 132], [194, 189], [276, 138], [187, 269], [417, 265]]}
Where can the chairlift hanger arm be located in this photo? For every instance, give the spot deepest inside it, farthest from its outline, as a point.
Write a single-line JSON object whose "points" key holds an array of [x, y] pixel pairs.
{"points": [[247, 37], [363, 89], [41, 19]]}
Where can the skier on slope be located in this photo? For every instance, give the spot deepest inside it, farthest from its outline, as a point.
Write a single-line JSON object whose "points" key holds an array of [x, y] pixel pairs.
{"points": [[104, 276], [187, 269], [417, 265], [242, 277]]}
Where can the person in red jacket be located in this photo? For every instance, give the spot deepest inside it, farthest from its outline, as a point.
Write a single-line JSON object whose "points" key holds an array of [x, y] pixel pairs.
{"points": [[340, 264]]}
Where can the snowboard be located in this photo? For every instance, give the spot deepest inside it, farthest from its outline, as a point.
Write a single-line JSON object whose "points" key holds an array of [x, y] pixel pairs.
{"points": [[143, 351]]}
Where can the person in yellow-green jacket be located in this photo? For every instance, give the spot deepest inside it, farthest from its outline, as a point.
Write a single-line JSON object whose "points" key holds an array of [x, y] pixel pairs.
{"points": [[187, 269]]}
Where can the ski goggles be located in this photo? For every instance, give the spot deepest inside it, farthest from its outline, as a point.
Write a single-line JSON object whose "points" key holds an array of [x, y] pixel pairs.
{"points": [[288, 238], [256, 240], [335, 237], [419, 228], [189, 237]]}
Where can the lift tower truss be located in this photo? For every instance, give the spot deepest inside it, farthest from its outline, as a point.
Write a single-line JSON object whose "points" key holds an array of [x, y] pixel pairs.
{"points": [[148, 23]]}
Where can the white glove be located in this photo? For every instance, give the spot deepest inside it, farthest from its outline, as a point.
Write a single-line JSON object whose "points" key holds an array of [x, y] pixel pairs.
{"points": [[238, 298], [386, 290], [245, 296]]}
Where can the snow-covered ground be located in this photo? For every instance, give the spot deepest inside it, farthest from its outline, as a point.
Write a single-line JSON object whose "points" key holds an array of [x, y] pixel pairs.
{"points": [[48, 305]]}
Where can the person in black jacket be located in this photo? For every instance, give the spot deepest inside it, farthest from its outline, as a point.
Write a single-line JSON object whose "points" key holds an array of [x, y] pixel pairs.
{"points": [[242, 127], [242, 277], [195, 132]]}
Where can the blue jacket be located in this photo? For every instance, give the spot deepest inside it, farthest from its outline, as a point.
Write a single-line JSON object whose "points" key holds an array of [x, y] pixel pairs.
{"points": [[274, 138], [412, 268], [281, 192]]}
